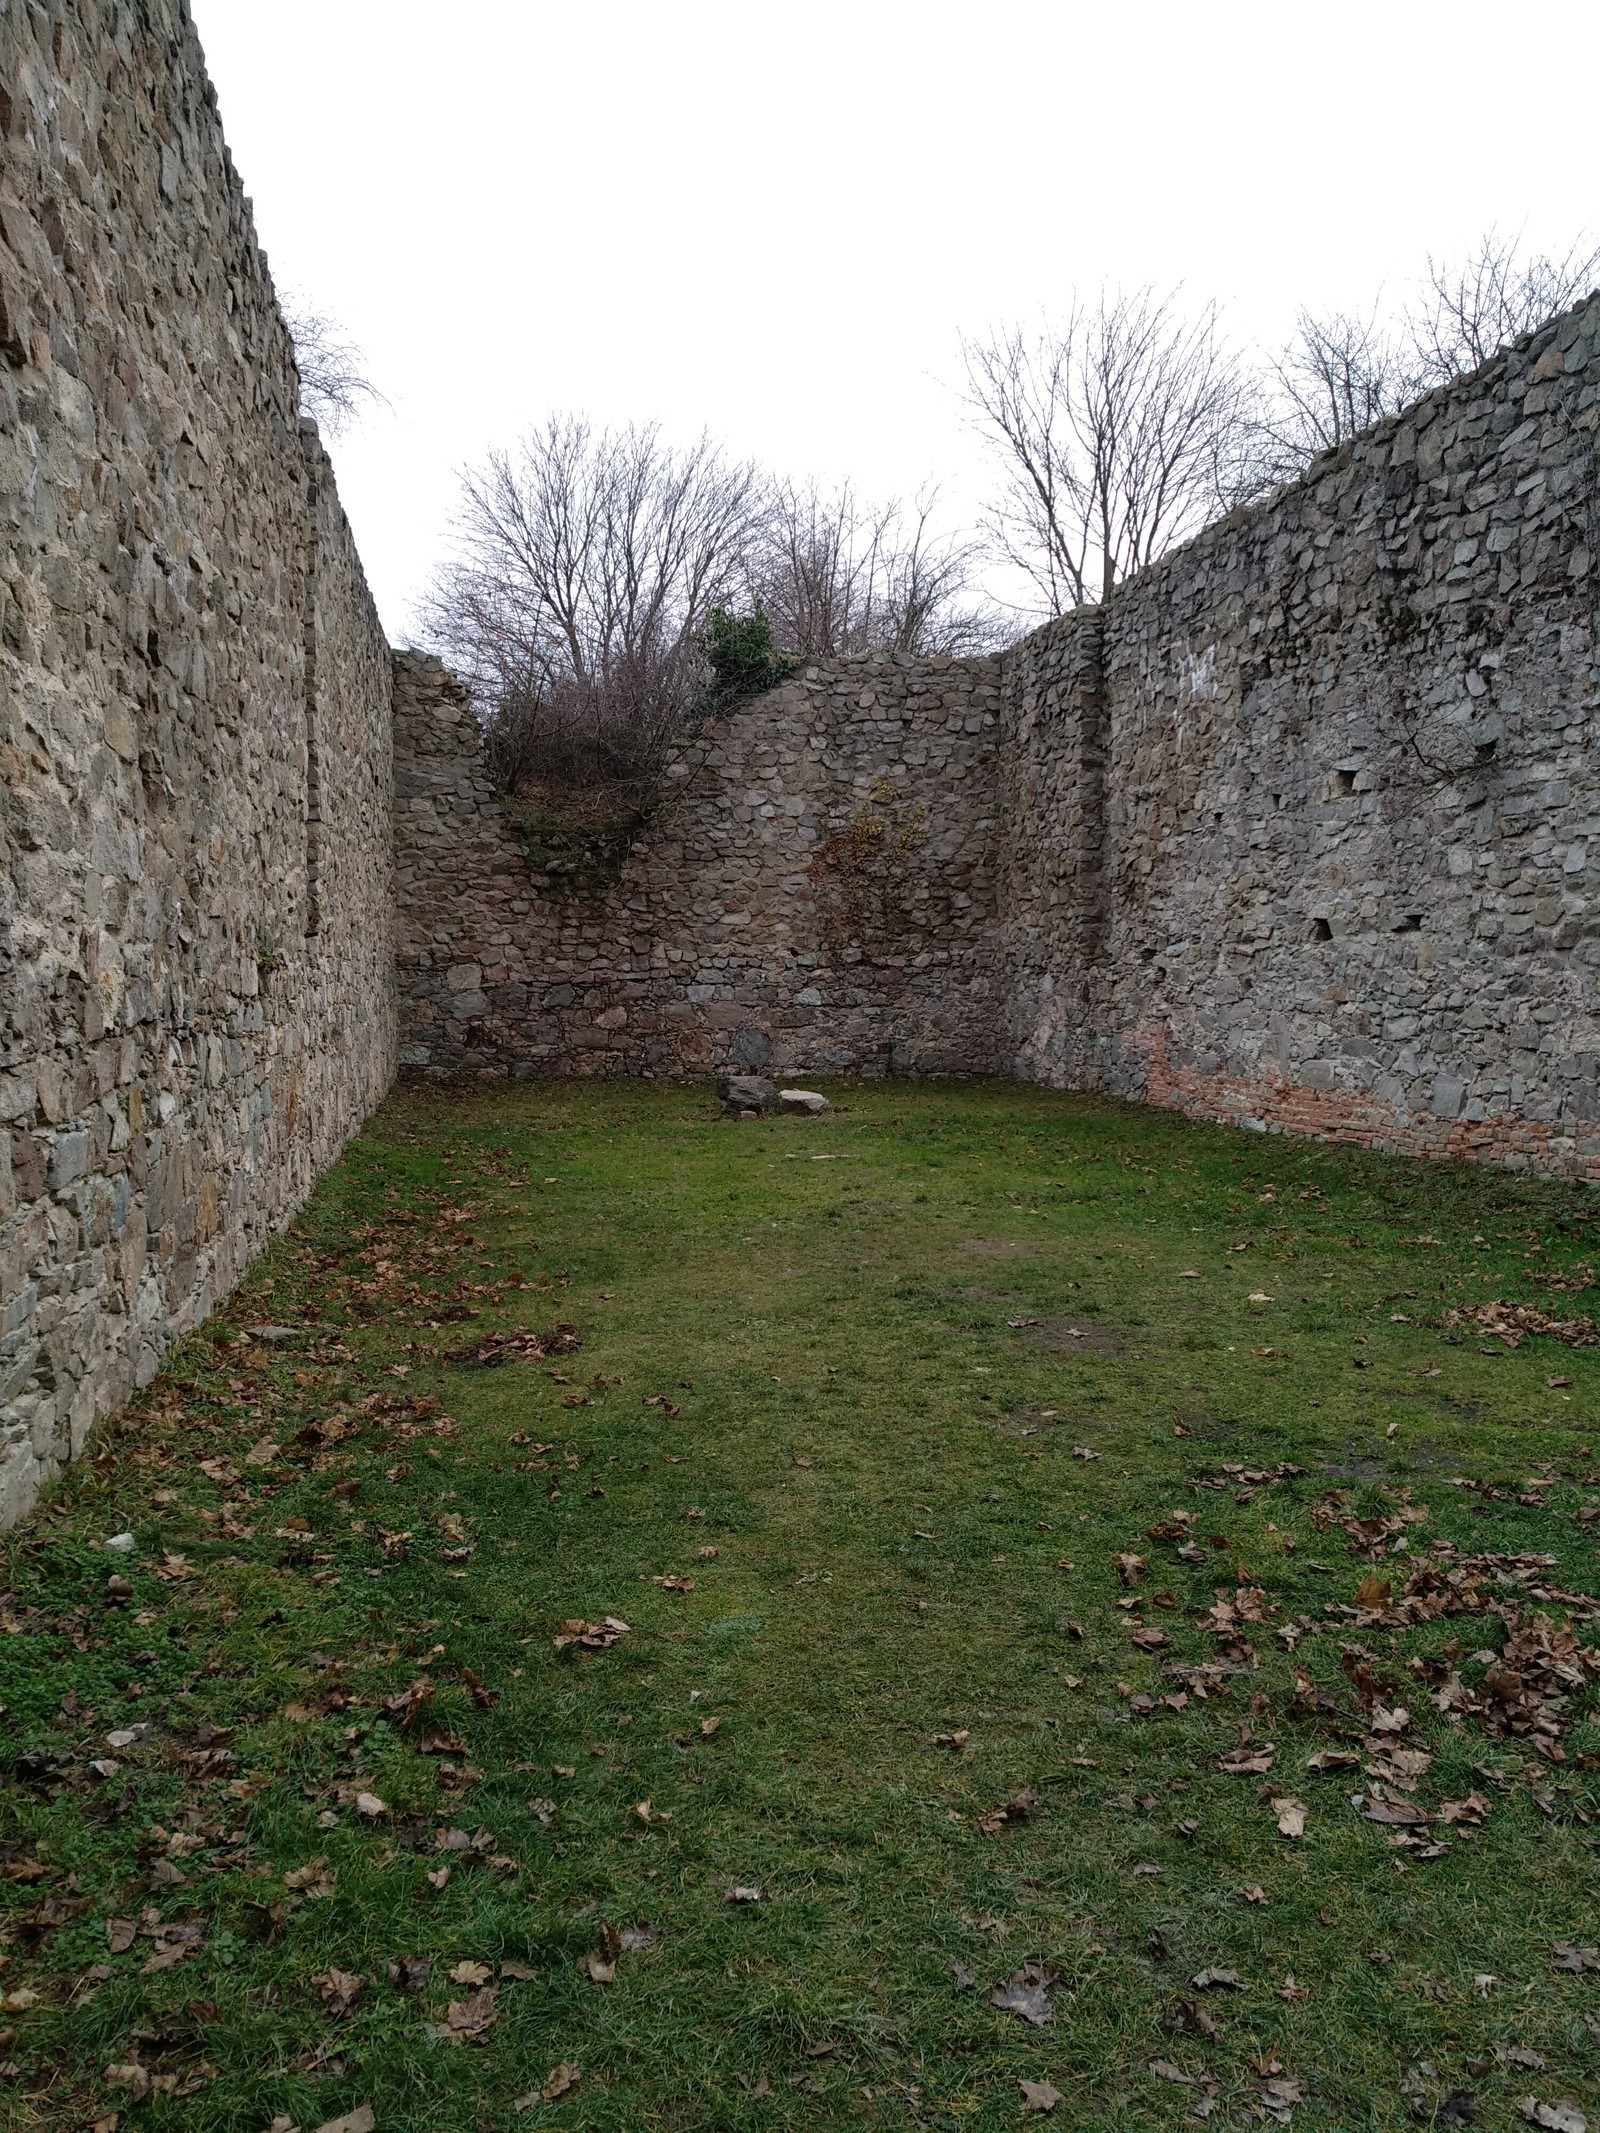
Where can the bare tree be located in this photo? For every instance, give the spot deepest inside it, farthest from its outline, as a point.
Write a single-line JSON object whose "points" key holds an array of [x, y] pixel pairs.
{"points": [[836, 577], [1120, 434], [1496, 294], [1343, 372], [1338, 376], [334, 387], [586, 565]]}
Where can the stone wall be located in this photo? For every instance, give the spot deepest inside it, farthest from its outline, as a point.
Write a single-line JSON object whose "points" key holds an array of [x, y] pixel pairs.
{"points": [[815, 893], [1308, 816], [196, 998]]}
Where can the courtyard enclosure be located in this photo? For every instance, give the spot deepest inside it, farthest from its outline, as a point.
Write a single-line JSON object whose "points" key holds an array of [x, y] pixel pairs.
{"points": [[992, 1599], [1298, 829]]}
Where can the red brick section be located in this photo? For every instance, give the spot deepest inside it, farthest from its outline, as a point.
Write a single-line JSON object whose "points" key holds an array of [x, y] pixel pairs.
{"points": [[1280, 1105]]}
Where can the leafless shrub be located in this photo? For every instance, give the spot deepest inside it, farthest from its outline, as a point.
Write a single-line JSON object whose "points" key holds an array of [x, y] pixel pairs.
{"points": [[1338, 376], [1496, 294], [1119, 434], [1342, 373], [334, 387], [586, 565], [835, 578]]}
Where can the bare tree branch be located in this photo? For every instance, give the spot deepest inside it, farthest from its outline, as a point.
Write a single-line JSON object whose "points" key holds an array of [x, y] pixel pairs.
{"points": [[586, 565], [1120, 434], [1343, 372], [837, 577], [334, 387], [1495, 295], [1338, 376]]}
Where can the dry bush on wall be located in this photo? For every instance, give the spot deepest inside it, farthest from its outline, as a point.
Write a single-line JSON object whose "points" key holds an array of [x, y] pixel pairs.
{"points": [[604, 586], [587, 565]]}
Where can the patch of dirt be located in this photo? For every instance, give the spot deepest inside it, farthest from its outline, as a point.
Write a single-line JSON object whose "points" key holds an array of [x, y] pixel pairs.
{"points": [[1428, 1456], [988, 1296], [1073, 1336], [1204, 1427], [997, 1247], [1357, 1468], [1425, 1456]]}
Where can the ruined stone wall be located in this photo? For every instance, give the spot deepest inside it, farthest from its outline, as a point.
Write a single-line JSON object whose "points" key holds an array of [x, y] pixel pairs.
{"points": [[196, 1001], [1307, 818], [816, 892]]}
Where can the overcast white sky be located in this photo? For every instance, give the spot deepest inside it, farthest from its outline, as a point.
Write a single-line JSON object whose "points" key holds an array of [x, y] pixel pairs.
{"points": [[776, 221]]}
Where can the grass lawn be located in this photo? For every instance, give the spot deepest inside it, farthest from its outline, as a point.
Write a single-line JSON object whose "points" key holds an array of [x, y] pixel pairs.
{"points": [[1092, 1623]]}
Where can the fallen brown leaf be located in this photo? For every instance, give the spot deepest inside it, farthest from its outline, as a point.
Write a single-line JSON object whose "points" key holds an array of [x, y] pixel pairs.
{"points": [[338, 1990], [1189, 2018], [1471, 1812], [360, 2120], [1026, 1994], [471, 2017], [1248, 1759], [1016, 1809], [557, 2082], [1562, 2117], [591, 1636]]}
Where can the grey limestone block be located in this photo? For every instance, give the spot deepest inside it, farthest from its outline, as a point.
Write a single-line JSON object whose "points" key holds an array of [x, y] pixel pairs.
{"points": [[746, 1092]]}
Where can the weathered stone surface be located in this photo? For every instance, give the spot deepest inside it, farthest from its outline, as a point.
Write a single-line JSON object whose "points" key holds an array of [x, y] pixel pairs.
{"points": [[746, 1092], [805, 1103], [1303, 817], [816, 892], [196, 994]]}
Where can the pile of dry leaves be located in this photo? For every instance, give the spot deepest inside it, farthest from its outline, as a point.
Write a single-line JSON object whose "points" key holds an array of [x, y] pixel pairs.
{"points": [[519, 1345], [1513, 1322]]}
